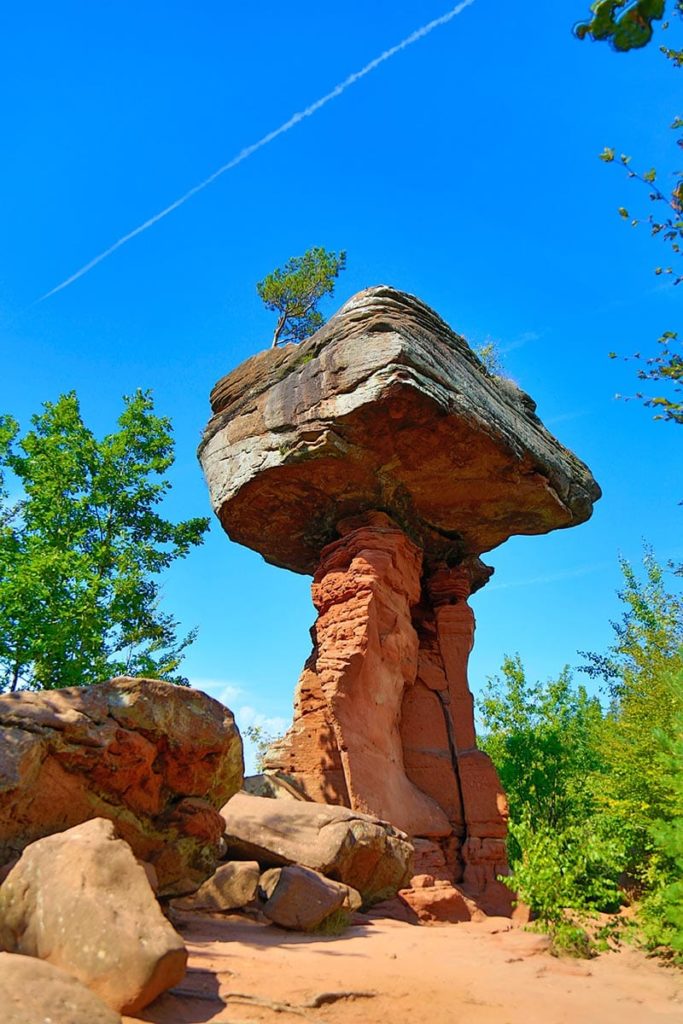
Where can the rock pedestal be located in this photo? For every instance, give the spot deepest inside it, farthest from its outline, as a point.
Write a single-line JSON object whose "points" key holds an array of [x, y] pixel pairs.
{"points": [[382, 457], [384, 719]]}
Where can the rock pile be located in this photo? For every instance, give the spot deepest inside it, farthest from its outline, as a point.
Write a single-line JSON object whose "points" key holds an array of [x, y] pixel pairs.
{"points": [[370, 856], [381, 457], [108, 794], [80, 900]]}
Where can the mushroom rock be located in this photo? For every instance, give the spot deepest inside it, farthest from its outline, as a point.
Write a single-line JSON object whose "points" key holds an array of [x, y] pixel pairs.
{"points": [[381, 457]]}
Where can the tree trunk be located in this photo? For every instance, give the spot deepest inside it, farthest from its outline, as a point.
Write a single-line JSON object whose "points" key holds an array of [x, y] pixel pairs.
{"points": [[279, 329]]}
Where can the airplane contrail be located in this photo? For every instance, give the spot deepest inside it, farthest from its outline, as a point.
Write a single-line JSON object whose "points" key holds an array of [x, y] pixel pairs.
{"points": [[244, 154]]}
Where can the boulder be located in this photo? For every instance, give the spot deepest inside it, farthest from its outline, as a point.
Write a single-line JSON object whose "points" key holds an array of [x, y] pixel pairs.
{"points": [[385, 407], [430, 901], [82, 902], [301, 899], [157, 759], [232, 886], [35, 992], [369, 855]]}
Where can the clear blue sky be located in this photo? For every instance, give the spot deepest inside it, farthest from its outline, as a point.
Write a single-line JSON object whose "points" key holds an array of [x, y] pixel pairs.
{"points": [[463, 170]]}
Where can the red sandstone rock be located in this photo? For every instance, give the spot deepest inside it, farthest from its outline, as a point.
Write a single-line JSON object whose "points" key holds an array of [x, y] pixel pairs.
{"points": [[440, 903], [232, 886], [157, 759], [301, 899], [385, 408], [366, 649], [388, 678], [81, 901]]}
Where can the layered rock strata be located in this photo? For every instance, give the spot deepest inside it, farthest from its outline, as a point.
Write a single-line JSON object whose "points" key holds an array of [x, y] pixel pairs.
{"points": [[384, 719], [383, 458], [385, 407]]}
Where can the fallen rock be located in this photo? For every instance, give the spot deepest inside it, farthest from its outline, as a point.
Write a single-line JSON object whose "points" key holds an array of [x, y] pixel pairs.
{"points": [[35, 992], [301, 899], [439, 902], [81, 901], [369, 855], [231, 887], [157, 759]]}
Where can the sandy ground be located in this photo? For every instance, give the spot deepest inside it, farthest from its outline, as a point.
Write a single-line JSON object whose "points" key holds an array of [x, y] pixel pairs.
{"points": [[488, 973]]}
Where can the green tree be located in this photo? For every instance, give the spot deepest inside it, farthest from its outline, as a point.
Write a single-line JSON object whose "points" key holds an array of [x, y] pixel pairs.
{"points": [[637, 667], [626, 24], [665, 367], [595, 796], [542, 739], [667, 831], [83, 546], [294, 291]]}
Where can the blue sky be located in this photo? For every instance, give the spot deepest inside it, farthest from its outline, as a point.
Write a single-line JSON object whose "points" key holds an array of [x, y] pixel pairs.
{"points": [[463, 170]]}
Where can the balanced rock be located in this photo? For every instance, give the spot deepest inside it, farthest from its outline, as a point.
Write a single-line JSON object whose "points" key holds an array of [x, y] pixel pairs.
{"points": [[231, 887], [368, 855], [34, 992], [157, 759], [383, 458], [384, 407], [81, 901], [301, 899]]}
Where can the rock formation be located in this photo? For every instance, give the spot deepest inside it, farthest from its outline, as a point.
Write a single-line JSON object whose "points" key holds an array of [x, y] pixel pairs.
{"points": [[81, 901], [380, 456], [346, 846], [157, 759], [232, 887]]}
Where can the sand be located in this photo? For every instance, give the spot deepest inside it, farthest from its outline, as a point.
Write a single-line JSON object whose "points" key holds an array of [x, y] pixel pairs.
{"points": [[488, 973]]}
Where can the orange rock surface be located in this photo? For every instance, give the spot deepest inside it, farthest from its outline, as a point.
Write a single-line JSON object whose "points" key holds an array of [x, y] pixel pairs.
{"points": [[157, 759], [384, 718]]}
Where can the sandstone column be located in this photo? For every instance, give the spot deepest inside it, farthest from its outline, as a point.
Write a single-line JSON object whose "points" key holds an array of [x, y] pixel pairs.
{"points": [[365, 654], [483, 801]]}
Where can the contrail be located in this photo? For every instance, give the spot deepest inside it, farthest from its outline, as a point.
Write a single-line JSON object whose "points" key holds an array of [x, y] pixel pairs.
{"points": [[244, 154]]}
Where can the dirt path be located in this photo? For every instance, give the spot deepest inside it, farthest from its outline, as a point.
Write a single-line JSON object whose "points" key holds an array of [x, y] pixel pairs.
{"points": [[457, 974]]}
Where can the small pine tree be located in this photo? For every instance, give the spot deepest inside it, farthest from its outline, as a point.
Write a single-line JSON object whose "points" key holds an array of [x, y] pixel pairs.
{"points": [[294, 291]]}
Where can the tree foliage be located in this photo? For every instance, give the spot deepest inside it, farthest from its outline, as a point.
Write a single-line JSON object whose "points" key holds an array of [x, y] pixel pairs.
{"points": [[82, 547], [542, 740], [625, 24], [665, 367], [664, 906], [294, 291], [596, 812]]}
